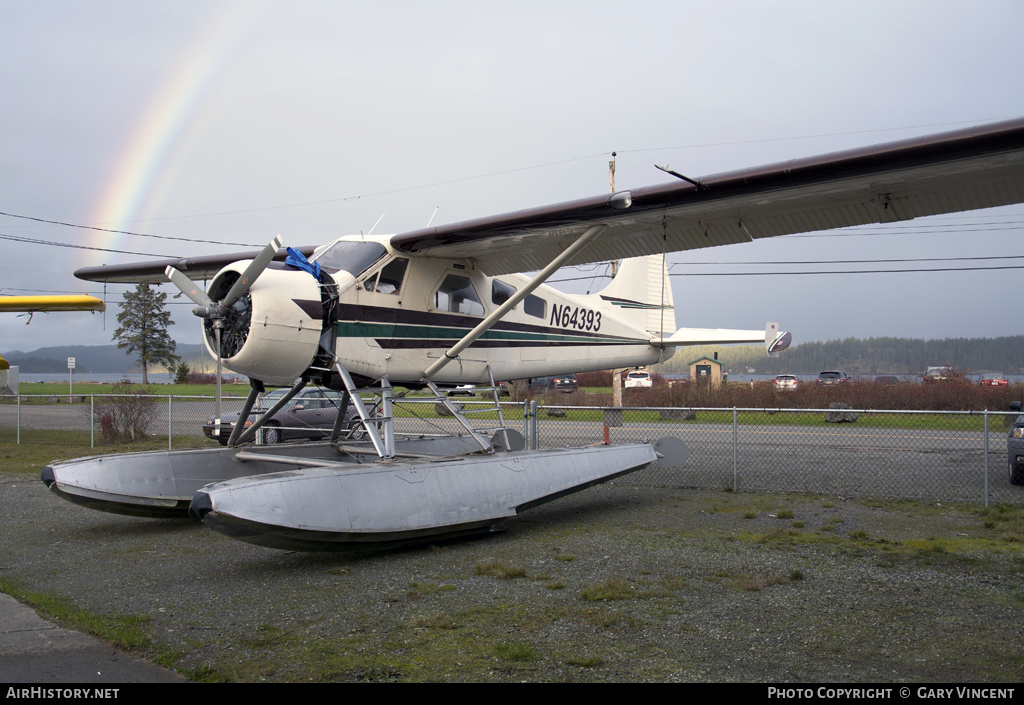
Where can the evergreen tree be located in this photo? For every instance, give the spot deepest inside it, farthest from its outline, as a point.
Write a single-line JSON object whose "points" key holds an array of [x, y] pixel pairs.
{"points": [[142, 329]]}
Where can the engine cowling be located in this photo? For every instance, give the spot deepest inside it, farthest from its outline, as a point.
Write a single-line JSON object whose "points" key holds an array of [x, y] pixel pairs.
{"points": [[277, 329]]}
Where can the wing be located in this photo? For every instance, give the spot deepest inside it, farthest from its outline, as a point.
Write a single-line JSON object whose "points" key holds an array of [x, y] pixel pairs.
{"points": [[153, 272], [29, 304], [980, 167]]}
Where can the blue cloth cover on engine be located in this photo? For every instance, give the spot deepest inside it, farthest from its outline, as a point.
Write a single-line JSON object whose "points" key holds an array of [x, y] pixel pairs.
{"points": [[297, 259]]}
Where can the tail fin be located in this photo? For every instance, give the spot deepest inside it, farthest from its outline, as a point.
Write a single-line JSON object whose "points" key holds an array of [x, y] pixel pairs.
{"points": [[642, 293]]}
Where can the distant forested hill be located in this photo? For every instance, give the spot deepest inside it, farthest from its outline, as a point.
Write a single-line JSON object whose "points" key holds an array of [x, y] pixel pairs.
{"points": [[864, 357], [88, 358], [873, 356]]}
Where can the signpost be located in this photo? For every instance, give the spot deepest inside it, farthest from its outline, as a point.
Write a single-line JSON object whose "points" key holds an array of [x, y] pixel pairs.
{"points": [[71, 375]]}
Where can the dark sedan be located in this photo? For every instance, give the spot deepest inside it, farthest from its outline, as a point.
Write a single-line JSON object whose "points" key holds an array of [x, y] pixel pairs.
{"points": [[558, 383], [310, 414], [830, 377], [565, 383]]}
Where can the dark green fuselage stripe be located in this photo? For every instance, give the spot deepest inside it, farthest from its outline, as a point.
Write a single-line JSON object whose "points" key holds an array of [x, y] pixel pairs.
{"points": [[397, 335]]}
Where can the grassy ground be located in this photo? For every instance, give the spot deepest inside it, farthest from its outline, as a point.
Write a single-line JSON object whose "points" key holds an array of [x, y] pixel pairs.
{"points": [[38, 449], [614, 584], [618, 583]]}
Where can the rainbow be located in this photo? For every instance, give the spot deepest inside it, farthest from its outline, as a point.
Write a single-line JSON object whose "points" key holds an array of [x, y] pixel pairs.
{"points": [[140, 176]]}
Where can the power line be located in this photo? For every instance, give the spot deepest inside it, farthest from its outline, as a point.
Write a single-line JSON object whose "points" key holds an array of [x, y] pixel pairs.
{"points": [[122, 232], [851, 261], [864, 271], [920, 229], [33, 241], [829, 272]]}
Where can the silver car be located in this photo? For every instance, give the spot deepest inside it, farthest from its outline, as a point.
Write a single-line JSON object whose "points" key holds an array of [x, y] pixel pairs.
{"points": [[310, 414]]}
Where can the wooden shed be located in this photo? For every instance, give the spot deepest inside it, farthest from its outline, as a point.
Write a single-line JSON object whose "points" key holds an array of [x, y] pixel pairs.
{"points": [[705, 370]]}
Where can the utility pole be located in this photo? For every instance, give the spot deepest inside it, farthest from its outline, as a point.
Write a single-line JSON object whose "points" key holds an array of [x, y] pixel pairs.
{"points": [[616, 374]]}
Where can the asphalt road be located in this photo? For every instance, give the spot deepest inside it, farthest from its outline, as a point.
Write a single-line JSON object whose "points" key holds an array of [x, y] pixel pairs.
{"points": [[39, 652]]}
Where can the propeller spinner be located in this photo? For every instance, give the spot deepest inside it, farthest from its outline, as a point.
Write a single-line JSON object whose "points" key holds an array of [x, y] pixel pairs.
{"points": [[233, 312], [261, 321]]}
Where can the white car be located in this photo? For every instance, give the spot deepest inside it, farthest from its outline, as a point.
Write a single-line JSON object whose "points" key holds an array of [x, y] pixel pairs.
{"points": [[468, 390], [786, 383], [638, 380]]}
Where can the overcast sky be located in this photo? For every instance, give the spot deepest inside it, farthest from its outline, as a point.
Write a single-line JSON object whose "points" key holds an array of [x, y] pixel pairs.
{"points": [[233, 122]]}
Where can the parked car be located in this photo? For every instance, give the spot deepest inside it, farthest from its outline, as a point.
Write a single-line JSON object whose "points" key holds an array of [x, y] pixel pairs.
{"points": [[786, 383], [1015, 448], [638, 379], [993, 379], [463, 389], [887, 379], [938, 374], [565, 383], [310, 414], [831, 377], [559, 383]]}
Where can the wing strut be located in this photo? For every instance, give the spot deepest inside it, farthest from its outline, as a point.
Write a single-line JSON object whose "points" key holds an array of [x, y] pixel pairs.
{"points": [[241, 436], [538, 279]]}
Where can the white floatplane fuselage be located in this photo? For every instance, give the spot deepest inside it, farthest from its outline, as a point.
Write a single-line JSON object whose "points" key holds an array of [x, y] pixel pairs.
{"points": [[444, 305]]}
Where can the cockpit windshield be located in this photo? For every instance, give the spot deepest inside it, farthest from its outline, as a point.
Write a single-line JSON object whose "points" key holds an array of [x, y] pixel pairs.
{"points": [[352, 257]]}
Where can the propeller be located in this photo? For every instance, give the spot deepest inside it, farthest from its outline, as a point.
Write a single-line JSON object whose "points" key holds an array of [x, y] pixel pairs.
{"points": [[232, 313]]}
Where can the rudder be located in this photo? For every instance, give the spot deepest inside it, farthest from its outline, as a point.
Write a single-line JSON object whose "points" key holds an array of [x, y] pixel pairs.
{"points": [[641, 293]]}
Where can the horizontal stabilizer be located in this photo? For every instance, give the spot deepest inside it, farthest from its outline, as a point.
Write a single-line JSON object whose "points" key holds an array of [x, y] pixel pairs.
{"points": [[773, 340]]}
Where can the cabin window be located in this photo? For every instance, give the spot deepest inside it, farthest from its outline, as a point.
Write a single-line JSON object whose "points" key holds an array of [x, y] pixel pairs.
{"points": [[501, 292], [535, 306], [457, 295], [389, 279], [350, 256]]}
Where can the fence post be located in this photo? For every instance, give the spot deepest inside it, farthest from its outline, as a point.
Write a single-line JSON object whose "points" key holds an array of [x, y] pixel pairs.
{"points": [[526, 423], [169, 418], [92, 420], [986, 458], [17, 423], [735, 453], [534, 441]]}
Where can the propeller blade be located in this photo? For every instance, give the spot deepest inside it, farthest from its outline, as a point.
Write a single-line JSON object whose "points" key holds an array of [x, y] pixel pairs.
{"points": [[188, 287], [252, 272], [216, 330]]}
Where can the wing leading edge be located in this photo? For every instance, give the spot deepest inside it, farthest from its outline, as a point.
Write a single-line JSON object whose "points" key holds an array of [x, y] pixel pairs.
{"points": [[153, 272], [980, 167]]}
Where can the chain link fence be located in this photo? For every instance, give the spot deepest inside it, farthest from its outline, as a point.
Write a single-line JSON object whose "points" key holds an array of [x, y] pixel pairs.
{"points": [[110, 422], [942, 456]]}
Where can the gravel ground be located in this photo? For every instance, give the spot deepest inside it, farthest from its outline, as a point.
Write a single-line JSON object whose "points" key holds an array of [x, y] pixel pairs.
{"points": [[617, 583]]}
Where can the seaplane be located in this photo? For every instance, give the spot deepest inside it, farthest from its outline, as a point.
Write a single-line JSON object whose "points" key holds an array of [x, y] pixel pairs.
{"points": [[450, 305]]}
